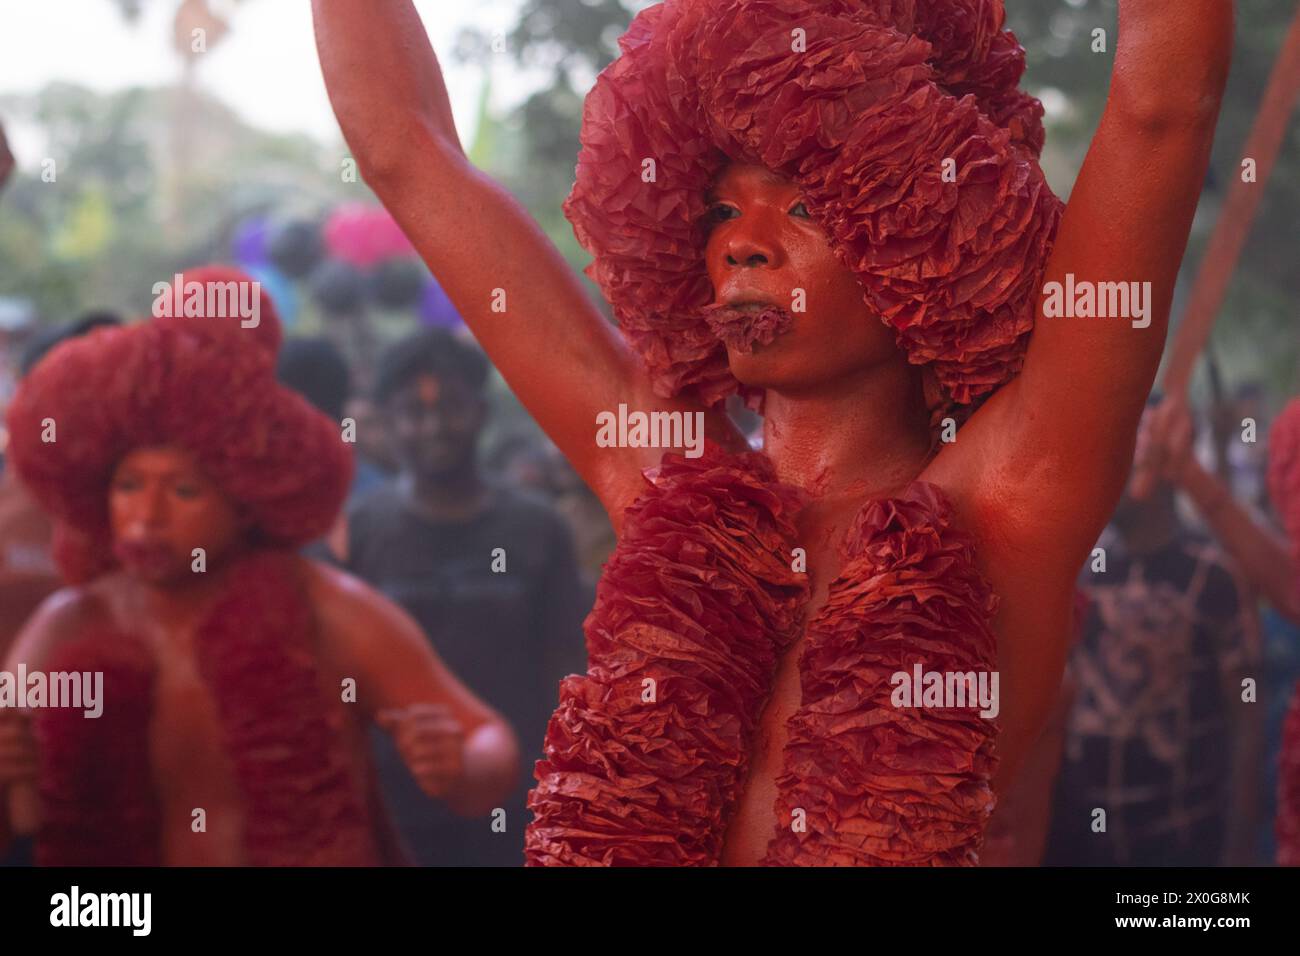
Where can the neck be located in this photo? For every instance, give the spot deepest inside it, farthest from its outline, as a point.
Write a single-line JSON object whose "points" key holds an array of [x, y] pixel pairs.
{"points": [[864, 435], [185, 598]]}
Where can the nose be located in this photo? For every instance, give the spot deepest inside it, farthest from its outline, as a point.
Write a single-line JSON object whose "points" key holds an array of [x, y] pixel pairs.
{"points": [[152, 511], [749, 244], [432, 422], [748, 253]]}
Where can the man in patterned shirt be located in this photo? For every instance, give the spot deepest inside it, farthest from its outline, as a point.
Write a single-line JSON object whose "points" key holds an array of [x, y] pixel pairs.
{"points": [[1159, 735]]}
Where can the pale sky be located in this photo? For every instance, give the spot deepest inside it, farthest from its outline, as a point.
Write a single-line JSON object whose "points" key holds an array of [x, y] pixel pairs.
{"points": [[265, 68]]}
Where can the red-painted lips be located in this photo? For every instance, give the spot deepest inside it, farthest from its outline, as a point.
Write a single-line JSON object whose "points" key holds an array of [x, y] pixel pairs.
{"points": [[742, 325], [144, 556]]}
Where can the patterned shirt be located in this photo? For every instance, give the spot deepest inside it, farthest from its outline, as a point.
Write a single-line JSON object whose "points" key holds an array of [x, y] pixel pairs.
{"points": [[1148, 736]]}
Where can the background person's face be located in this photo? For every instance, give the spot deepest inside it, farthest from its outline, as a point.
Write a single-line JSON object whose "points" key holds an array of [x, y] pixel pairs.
{"points": [[162, 507], [436, 423], [761, 248], [373, 438]]}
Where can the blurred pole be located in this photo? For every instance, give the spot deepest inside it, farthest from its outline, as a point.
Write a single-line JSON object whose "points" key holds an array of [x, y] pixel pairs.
{"points": [[1218, 417], [195, 31], [182, 113], [1230, 232]]}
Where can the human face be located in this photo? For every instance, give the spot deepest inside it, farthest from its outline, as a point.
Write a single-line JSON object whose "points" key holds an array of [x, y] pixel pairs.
{"points": [[373, 439], [436, 423], [161, 507], [762, 248]]}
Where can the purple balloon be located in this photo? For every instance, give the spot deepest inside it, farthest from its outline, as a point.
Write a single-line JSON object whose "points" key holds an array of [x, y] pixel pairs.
{"points": [[436, 309], [250, 241]]}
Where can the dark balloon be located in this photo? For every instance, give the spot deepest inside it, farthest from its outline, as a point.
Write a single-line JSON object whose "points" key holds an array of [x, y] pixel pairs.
{"points": [[338, 288], [398, 283], [295, 247]]}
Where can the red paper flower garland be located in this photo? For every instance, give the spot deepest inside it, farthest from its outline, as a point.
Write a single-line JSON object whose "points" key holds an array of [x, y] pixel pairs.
{"points": [[698, 600]]}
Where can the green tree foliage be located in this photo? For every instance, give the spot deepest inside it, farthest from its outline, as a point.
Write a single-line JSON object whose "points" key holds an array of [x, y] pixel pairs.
{"points": [[146, 182]]}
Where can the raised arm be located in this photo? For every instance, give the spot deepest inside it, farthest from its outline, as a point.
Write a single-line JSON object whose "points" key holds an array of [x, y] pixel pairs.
{"points": [[518, 295], [1264, 557], [1069, 421]]}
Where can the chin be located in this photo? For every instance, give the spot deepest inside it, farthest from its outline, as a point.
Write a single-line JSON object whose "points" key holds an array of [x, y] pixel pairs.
{"points": [[159, 577], [767, 366]]}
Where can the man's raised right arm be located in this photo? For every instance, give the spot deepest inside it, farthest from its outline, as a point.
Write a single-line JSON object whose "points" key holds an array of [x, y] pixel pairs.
{"points": [[524, 304]]}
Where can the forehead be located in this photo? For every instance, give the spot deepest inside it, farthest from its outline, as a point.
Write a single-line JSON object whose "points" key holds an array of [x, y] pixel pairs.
{"points": [[428, 387], [736, 176], [161, 458]]}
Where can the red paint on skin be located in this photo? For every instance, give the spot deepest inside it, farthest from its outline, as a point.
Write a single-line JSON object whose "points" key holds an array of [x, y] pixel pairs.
{"points": [[428, 389], [762, 248], [843, 410], [162, 507]]}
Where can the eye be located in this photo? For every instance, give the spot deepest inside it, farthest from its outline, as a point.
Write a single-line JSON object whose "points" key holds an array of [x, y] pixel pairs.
{"points": [[800, 210], [126, 483], [720, 212], [187, 491]]}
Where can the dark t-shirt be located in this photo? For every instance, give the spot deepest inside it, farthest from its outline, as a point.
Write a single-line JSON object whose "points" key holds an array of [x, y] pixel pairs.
{"points": [[510, 636]]}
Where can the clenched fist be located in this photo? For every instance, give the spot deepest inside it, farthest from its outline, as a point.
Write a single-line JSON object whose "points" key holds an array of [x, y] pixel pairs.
{"points": [[432, 744], [1164, 446]]}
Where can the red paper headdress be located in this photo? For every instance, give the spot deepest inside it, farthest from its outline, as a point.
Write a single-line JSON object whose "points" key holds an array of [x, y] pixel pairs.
{"points": [[201, 383], [1284, 469], [859, 102]]}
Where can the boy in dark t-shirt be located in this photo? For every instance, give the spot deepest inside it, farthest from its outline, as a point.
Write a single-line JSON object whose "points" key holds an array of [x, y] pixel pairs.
{"points": [[488, 572]]}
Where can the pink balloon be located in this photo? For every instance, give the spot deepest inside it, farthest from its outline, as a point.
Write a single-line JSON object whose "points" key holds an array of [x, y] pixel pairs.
{"points": [[364, 235]]}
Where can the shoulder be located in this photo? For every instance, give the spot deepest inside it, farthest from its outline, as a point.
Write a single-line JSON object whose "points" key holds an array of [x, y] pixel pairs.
{"points": [[66, 614], [361, 632], [349, 610], [336, 595]]}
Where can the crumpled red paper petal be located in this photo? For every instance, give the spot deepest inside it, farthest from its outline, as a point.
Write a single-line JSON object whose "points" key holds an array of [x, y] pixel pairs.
{"points": [[286, 740], [301, 800], [862, 119], [742, 329], [700, 598], [881, 785], [98, 803], [1284, 469]]}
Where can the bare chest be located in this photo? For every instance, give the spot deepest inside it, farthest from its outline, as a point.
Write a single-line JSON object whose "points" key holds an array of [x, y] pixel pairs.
{"points": [[202, 821], [755, 818], [200, 801]]}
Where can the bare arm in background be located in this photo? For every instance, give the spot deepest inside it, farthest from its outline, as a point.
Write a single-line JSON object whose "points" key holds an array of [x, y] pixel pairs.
{"points": [[1263, 556]]}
